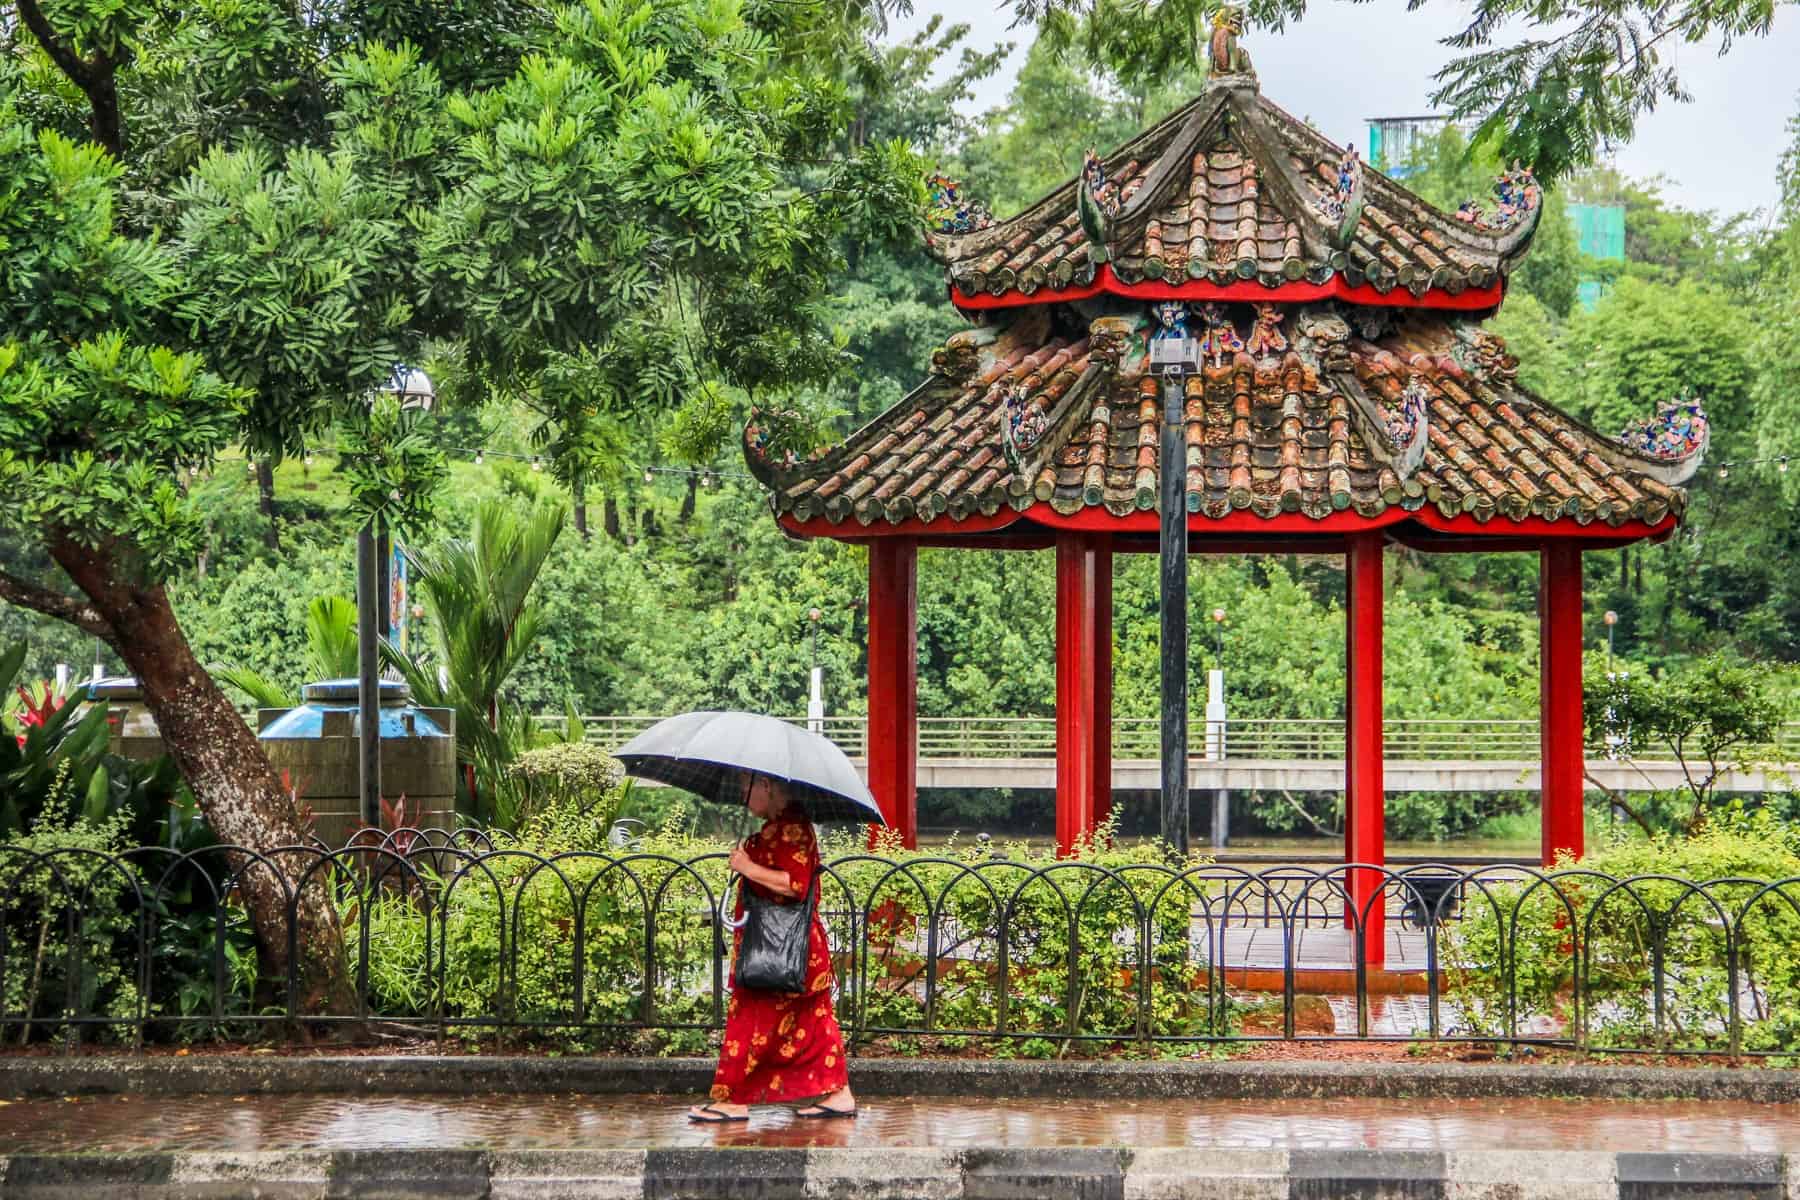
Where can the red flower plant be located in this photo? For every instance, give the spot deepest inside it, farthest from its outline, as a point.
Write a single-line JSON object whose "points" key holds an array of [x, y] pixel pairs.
{"points": [[34, 713]]}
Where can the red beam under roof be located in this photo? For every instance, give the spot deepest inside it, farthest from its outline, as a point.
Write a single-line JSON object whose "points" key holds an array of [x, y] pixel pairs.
{"points": [[1425, 528], [1471, 299]]}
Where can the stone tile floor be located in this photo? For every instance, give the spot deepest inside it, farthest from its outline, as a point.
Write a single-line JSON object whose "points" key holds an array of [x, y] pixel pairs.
{"points": [[558, 1122]]}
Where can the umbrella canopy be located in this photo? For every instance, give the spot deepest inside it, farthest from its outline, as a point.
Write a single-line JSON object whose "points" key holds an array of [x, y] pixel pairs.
{"points": [[702, 752]]}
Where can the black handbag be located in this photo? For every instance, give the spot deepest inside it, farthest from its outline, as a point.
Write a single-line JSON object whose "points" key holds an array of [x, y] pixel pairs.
{"points": [[772, 950]]}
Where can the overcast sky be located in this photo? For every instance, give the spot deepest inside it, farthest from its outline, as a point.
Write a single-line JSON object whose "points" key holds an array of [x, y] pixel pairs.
{"points": [[1346, 62]]}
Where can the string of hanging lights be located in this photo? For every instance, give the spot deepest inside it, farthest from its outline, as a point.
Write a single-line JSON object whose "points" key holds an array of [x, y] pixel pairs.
{"points": [[1780, 463], [710, 477]]}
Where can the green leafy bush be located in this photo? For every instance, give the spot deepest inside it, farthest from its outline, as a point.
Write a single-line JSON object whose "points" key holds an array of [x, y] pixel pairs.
{"points": [[1640, 944], [69, 938]]}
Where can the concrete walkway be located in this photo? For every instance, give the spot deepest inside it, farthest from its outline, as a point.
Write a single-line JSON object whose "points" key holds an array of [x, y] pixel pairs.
{"points": [[640, 1147], [241, 1124], [314, 1128]]}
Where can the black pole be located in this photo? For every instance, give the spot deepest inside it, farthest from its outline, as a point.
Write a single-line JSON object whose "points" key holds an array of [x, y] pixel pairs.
{"points": [[384, 587], [368, 672], [1174, 547]]}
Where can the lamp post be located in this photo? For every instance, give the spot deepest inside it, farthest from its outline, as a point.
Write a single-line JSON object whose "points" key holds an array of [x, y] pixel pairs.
{"points": [[1174, 356], [815, 701], [1611, 619], [1215, 731], [412, 388]]}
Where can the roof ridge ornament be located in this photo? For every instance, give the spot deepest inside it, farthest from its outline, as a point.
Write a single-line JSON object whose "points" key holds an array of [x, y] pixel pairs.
{"points": [[949, 212], [1672, 442], [1225, 59], [1408, 425], [1266, 338], [1097, 203], [1343, 204], [1022, 425], [1482, 354], [1516, 196]]}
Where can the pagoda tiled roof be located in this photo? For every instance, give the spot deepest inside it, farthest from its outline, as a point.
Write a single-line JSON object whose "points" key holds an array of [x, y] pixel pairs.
{"points": [[1301, 429], [1230, 191]]}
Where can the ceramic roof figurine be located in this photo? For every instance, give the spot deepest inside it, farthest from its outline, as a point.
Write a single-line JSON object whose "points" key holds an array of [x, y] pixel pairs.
{"points": [[1343, 375]]}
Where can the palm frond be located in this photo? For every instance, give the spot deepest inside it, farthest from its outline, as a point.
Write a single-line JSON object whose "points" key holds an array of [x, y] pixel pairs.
{"points": [[331, 649], [262, 691]]}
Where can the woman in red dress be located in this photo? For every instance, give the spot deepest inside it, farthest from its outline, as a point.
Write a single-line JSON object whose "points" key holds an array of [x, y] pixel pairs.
{"points": [[780, 1049]]}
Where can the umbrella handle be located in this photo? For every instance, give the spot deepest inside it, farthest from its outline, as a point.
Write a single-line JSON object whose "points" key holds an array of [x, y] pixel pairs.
{"points": [[734, 922]]}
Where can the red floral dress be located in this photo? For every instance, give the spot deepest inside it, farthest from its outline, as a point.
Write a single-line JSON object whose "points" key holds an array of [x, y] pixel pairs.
{"points": [[781, 1048]]}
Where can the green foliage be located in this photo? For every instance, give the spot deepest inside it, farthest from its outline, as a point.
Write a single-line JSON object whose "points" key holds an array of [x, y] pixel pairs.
{"points": [[484, 620], [1446, 170], [100, 438], [573, 780], [1647, 343], [1048, 992], [67, 921], [1613, 935], [295, 279], [1712, 716], [331, 653], [1552, 82], [62, 760], [258, 616], [394, 470]]}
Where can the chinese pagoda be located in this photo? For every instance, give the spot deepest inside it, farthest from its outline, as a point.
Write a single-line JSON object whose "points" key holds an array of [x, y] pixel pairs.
{"points": [[1341, 395]]}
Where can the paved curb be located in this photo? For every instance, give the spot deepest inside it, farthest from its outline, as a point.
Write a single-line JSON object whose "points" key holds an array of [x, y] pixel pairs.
{"points": [[1084, 1173], [24, 1078]]}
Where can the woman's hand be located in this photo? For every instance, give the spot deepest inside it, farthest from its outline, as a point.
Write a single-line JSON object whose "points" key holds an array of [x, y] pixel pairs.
{"points": [[740, 862]]}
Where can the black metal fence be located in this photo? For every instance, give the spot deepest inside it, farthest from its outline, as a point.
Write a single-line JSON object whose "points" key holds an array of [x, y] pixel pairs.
{"points": [[454, 936]]}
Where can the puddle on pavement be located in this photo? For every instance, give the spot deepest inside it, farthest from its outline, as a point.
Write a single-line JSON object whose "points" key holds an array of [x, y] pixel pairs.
{"points": [[602, 1122]]}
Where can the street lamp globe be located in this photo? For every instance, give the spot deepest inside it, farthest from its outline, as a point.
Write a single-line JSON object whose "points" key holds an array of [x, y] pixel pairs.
{"points": [[412, 387], [1610, 617]]}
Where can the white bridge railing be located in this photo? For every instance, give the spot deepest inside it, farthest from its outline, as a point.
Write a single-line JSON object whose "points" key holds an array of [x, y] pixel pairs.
{"points": [[1245, 739]]}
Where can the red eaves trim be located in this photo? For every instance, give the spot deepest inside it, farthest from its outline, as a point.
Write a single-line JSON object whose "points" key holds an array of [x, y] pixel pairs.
{"points": [[855, 531], [946, 530], [1469, 299]]}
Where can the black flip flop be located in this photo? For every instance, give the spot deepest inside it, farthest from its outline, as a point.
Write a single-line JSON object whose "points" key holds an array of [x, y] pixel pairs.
{"points": [[819, 1112], [717, 1117]]}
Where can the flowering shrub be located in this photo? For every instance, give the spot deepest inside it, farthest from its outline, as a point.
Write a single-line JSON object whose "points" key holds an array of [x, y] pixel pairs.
{"points": [[1672, 943]]}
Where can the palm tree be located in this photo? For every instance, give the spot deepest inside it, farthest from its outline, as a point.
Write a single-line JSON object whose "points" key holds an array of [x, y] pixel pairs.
{"points": [[483, 619], [330, 654]]}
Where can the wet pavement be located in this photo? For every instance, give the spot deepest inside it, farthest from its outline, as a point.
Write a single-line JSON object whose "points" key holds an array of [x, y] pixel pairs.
{"points": [[268, 1123]]}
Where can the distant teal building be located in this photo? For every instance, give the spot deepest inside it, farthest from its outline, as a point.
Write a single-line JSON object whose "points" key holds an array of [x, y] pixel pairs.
{"points": [[1392, 140], [1600, 233]]}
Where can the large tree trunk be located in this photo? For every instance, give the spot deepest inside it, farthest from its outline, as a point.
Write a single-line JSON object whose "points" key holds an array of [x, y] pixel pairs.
{"points": [[688, 499], [610, 514], [220, 758], [265, 503]]}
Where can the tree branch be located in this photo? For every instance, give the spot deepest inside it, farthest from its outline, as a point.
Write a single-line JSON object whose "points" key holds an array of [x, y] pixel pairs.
{"points": [[1306, 816], [94, 77], [1618, 802], [54, 604]]}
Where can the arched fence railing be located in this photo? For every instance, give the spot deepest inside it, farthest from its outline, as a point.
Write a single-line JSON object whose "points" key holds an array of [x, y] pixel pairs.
{"points": [[458, 935]]}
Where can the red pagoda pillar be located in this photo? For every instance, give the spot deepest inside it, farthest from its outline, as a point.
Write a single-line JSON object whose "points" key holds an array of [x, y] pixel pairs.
{"points": [[1083, 685], [893, 738], [1560, 722], [1363, 789]]}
